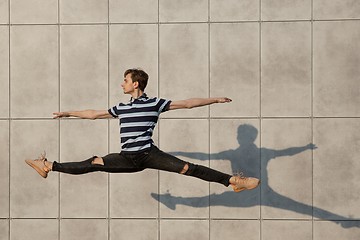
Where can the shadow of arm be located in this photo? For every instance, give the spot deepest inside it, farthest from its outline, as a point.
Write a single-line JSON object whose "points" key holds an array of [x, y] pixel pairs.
{"points": [[294, 150]]}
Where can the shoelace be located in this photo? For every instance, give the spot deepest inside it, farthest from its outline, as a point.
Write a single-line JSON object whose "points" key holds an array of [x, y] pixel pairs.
{"points": [[240, 175], [43, 159]]}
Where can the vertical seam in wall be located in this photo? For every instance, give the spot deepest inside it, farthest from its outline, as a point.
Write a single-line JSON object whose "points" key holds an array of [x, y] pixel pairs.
{"points": [[158, 93], [9, 120], [209, 109], [59, 129], [108, 120], [312, 117], [260, 114]]}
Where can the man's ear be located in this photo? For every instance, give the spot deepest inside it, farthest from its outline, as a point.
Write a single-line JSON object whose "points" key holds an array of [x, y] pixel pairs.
{"points": [[136, 84]]}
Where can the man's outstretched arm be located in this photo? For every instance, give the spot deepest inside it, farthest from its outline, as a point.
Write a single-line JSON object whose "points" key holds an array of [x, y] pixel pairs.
{"points": [[197, 102], [86, 114]]}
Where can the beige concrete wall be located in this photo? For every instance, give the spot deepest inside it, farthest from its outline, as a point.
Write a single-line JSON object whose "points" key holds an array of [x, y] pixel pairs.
{"points": [[291, 68]]}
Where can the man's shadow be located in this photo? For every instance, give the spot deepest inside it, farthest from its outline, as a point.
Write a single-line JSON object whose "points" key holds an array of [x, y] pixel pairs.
{"points": [[247, 158]]}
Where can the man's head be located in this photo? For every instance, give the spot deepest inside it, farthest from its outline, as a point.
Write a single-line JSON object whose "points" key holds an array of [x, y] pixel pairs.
{"points": [[139, 76]]}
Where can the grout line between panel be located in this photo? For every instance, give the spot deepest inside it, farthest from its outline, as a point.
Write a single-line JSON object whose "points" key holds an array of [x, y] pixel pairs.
{"points": [[193, 118], [59, 131], [190, 22], [260, 114], [9, 122], [189, 218], [312, 116], [108, 123], [209, 112], [158, 93]]}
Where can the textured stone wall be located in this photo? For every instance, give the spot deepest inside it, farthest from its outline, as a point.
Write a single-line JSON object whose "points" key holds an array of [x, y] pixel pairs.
{"points": [[290, 66]]}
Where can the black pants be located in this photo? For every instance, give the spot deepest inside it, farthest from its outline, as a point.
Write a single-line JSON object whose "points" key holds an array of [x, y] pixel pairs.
{"points": [[153, 158]]}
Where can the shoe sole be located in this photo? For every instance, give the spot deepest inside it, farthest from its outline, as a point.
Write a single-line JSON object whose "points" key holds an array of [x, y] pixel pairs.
{"points": [[39, 170], [241, 189]]}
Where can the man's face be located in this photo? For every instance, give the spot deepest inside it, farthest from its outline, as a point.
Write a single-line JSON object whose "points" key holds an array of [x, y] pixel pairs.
{"points": [[128, 85]]}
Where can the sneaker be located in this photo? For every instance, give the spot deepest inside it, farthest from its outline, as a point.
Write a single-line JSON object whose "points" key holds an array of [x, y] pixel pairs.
{"points": [[244, 183], [39, 165]]}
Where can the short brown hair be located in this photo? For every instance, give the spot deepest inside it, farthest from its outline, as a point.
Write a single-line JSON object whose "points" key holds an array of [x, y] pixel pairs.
{"points": [[138, 75]]}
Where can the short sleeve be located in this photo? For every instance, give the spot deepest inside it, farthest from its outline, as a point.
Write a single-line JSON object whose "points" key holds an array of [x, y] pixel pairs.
{"points": [[164, 105], [111, 112], [115, 110]]}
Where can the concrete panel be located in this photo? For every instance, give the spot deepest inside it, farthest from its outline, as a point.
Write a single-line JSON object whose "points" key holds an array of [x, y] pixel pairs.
{"points": [[129, 229], [4, 72], [176, 197], [4, 170], [296, 230], [324, 230], [286, 188], [272, 10], [4, 11], [83, 229], [83, 195], [235, 148], [184, 71], [336, 9], [83, 11], [131, 194], [34, 71], [187, 229], [337, 155], [234, 229], [234, 69], [183, 11], [4, 229], [29, 139], [132, 46], [336, 69], [121, 11], [84, 67], [34, 228], [230, 10], [34, 11], [286, 69]]}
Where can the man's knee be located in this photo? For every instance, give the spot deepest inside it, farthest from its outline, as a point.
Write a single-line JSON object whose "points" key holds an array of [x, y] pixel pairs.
{"points": [[186, 167], [98, 161]]}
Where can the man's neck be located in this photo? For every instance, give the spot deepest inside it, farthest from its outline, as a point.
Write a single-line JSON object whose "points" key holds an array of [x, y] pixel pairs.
{"points": [[137, 93]]}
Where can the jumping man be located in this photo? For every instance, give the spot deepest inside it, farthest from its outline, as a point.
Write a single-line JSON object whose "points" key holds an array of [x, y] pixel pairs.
{"points": [[138, 151]]}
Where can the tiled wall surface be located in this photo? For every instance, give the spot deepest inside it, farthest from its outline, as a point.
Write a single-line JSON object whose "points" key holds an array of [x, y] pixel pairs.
{"points": [[291, 68]]}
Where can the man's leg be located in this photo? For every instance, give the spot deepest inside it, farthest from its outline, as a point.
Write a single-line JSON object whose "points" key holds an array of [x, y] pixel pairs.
{"points": [[113, 162], [82, 167], [159, 160]]}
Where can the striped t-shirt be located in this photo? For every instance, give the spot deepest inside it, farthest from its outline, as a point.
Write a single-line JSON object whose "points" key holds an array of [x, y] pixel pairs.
{"points": [[137, 122]]}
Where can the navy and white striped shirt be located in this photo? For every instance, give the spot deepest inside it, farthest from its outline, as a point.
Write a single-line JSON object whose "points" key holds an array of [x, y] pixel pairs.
{"points": [[137, 122]]}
